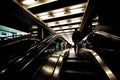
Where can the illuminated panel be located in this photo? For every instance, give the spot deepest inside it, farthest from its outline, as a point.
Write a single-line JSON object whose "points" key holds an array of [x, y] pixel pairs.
{"points": [[94, 23], [33, 3], [67, 27], [63, 22], [75, 9], [63, 31], [35, 32], [7, 31]]}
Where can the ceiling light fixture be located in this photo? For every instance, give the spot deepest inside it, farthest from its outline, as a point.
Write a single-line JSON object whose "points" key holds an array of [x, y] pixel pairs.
{"points": [[67, 27], [63, 22], [71, 10], [33, 3]]}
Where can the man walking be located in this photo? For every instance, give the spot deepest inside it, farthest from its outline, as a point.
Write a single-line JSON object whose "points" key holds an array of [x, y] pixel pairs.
{"points": [[76, 39]]}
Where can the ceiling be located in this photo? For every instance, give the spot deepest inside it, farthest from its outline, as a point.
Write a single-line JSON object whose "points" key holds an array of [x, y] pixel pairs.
{"points": [[60, 16]]}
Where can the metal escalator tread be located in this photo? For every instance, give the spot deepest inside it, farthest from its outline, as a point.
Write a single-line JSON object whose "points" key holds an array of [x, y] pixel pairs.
{"points": [[70, 75], [81, 68], [78, 65]]}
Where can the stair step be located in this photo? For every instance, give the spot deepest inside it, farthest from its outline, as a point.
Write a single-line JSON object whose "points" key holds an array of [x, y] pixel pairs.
{"points": [[78, 72], [80, 68], [79, 65], [79, 57], [74, 60], [76, 75]]}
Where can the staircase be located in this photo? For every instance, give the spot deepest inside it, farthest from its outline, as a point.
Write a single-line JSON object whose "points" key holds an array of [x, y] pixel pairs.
{"points": [[81, 67]]}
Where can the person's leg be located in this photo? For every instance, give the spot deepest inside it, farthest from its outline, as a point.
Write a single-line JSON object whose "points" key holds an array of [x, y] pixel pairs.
{"points": [[78, 51], [78, 48], [75, 47]]}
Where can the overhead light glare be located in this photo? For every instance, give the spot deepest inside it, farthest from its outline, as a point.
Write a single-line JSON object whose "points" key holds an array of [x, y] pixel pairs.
{"points": [[67, 27], [71, 10], [33, 3], [65, 31]]}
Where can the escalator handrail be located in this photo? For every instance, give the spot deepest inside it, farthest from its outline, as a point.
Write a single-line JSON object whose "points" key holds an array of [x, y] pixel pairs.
{"points": [[19, 57], [108, 35], [17, 41], [55, 66], [15, 60], [56, 73], [45, 46], [102, 64]]}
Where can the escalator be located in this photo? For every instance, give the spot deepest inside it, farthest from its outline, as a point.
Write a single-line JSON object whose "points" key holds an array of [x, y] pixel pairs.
{"points": [[81, 67], [11, 50], [16, 56], [26, 65], [108, 49]]}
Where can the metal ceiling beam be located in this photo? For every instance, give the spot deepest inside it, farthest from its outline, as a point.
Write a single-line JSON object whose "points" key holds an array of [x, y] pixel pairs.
{"points": [[33, 17], [88, 15]]}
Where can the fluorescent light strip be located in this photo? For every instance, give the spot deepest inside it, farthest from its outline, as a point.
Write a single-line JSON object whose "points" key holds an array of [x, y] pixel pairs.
{"points": [[35, 32], [65, 31], [61, 12], [62, 22], [78, 5], [33, 3], [67, 27], [28, 2], [62, 9], [94, 23]]}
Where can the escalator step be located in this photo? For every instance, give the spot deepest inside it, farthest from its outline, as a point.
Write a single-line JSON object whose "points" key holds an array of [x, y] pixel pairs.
{"points": [[79, 65], [76, 75], [81, 68]]}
